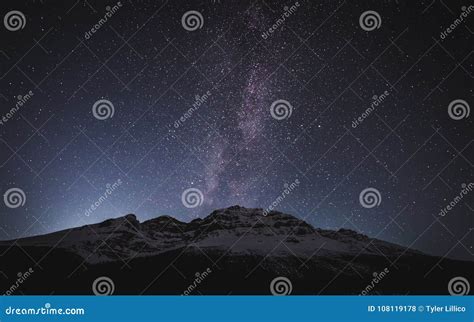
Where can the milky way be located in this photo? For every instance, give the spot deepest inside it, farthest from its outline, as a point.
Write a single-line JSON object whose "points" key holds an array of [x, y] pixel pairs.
{"points": [[194, 108]]}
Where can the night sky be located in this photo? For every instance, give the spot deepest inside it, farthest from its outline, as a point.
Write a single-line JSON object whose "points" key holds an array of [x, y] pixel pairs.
{"points": [[320, 66]]}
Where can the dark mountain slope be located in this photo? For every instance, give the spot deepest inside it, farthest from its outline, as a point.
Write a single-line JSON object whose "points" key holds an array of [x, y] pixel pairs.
{"points": [[232, 251]]}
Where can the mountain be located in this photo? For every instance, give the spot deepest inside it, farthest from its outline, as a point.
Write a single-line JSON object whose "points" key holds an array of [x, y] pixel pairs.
{"points": [[234, 250]]}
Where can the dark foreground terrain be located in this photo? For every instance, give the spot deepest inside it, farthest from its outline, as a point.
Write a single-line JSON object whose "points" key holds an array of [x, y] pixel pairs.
{"points": [[232, 251]]}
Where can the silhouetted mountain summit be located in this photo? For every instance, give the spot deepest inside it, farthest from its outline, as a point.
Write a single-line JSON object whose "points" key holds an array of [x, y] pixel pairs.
{"points": [[236, 229], [243, 248]]}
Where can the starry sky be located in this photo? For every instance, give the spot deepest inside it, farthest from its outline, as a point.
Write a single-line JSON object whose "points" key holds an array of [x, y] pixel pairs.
{"points": [[320, 66]]}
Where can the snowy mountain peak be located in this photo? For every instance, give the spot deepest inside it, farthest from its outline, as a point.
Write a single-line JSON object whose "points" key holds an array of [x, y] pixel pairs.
{"points": [[233, 230]]}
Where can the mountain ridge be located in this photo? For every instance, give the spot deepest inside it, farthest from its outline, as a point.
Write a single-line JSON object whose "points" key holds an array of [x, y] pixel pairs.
{"points": [[235, 228], [243, 249]]}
